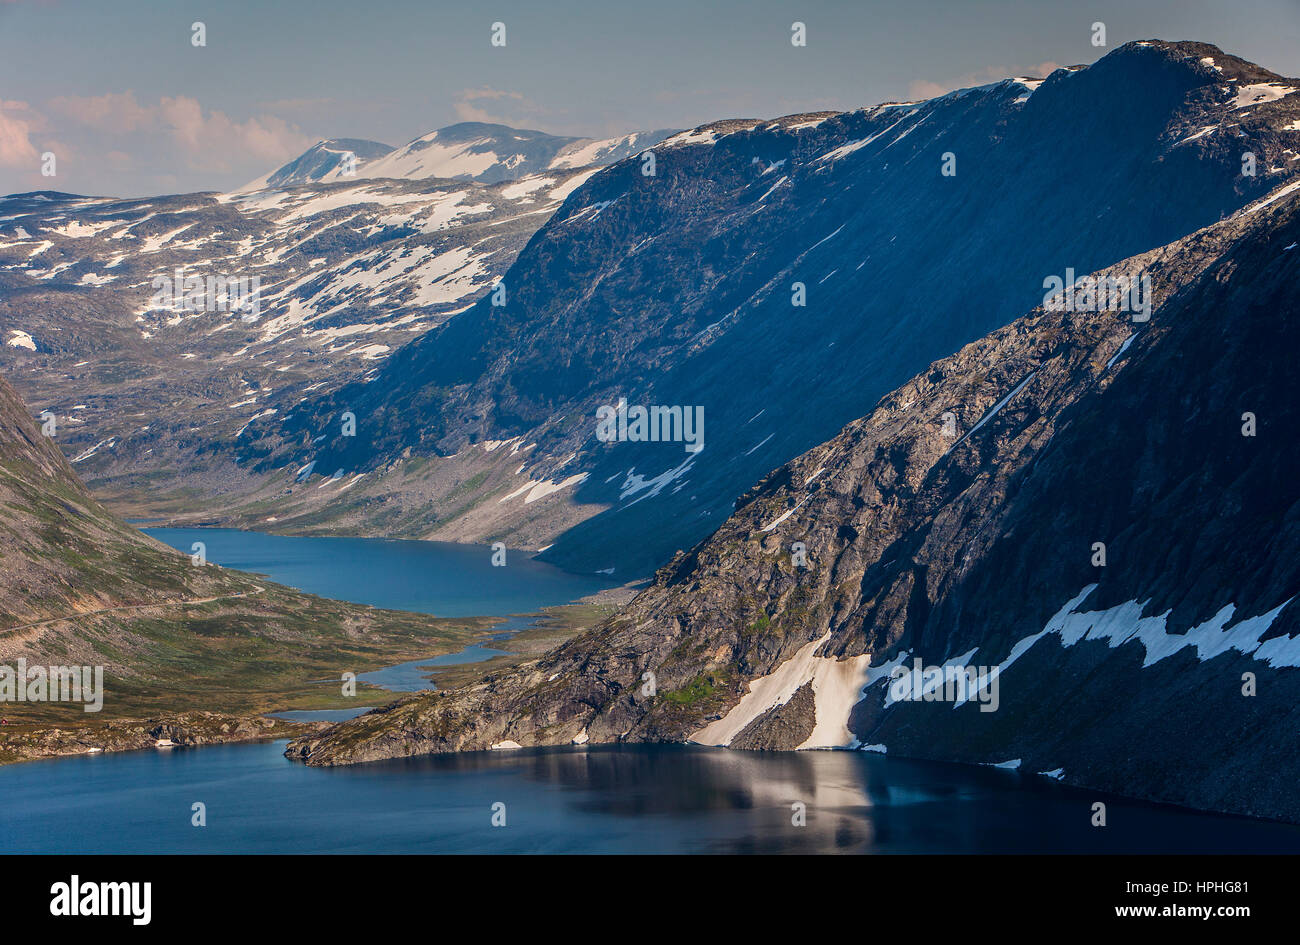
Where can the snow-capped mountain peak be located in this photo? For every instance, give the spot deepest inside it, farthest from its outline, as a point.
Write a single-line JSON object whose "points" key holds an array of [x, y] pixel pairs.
{"points": [[477, 151], [325, 161]]}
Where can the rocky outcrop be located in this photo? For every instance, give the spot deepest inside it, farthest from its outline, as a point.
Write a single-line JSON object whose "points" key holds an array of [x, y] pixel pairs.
{"points": [[783, 727], [187, 730]]}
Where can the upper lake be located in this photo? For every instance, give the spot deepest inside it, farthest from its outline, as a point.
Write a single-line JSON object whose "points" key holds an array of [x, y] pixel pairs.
{"points": [[429, 577]]}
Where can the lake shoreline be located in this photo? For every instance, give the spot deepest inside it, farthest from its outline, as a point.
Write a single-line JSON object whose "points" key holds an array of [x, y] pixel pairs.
{"points": [[182, 730]]}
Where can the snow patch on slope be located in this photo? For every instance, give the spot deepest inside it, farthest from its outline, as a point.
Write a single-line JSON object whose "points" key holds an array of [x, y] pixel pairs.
{"points": [[540, 490], [838, 685], [20, 339]]}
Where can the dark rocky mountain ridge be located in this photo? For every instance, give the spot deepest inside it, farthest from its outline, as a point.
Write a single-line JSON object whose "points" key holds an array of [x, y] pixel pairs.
{"points": [[677, 289], [978, 548]]}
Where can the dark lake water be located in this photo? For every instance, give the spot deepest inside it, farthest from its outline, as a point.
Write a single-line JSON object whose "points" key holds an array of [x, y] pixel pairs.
{"points": [[644, 799], [636, 799]]}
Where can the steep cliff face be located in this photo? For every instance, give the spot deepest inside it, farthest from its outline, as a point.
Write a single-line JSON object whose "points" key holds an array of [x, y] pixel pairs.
{"points": [[958, 523], [680, 289]]}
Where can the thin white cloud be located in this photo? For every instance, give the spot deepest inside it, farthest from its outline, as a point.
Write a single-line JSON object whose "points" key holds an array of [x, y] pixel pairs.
{"points": [[17, 123], [200, 139], [509, 108], [112, 112]]}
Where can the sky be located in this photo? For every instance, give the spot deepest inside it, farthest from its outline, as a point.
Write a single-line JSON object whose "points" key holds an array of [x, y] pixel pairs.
{"points": [[117, 91]]}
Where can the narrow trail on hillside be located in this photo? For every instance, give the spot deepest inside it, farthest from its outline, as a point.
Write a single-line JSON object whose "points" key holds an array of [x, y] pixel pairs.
{"points": [[128, 607]]}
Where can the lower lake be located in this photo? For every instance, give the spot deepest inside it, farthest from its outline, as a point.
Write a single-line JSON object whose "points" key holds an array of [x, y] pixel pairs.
{"points": [[598, 799]]}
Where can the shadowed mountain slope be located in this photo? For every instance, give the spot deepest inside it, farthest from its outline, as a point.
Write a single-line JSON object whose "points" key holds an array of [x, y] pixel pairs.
{"points": [[681, 289]]}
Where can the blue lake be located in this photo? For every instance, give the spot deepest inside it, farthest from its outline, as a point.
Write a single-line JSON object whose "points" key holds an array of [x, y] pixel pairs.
{"points": [[428, 577], [636, 799]]}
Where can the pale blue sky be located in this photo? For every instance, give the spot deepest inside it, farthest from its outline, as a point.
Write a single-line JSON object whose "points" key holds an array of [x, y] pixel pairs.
{"points": [[130, 107]]}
